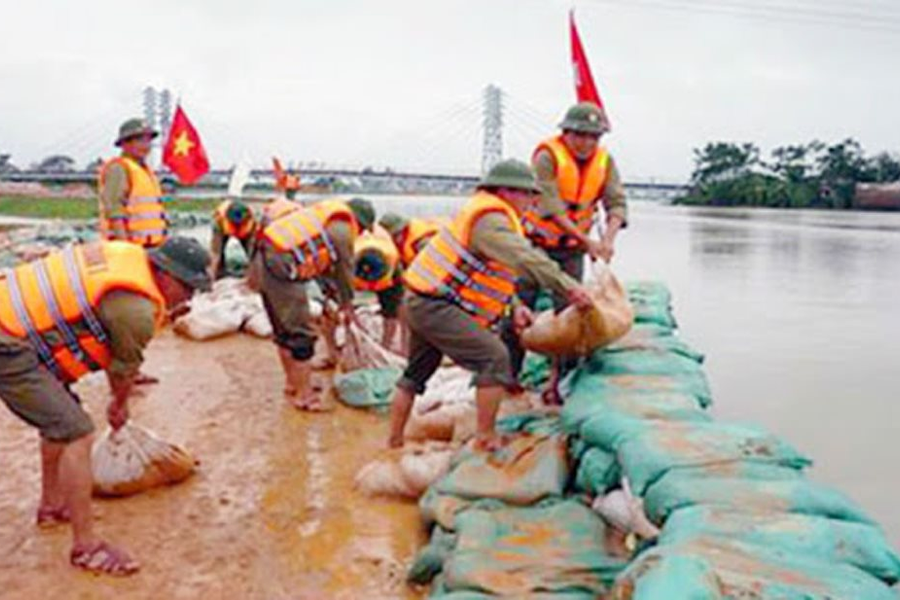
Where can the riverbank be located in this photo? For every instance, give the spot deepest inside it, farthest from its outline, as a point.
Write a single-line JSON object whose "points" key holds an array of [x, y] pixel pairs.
{"points": [[37, 207]]}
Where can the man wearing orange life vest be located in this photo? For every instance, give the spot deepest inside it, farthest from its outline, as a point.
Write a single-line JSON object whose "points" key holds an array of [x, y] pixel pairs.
{"points": [[310, 243], [231, 219], [576, 174], [131, 207], [409, 237], [89, 307], [378, 269], [463, 284]]}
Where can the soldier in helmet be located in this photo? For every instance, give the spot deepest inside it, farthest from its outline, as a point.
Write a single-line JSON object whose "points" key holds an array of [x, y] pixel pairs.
{"points": [[576, 175], [463, 284], [231, 219], [87, 308], [131, 207]]}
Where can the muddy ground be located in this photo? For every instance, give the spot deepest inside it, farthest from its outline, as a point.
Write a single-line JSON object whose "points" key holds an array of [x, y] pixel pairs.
{"points": [[271, 514]]}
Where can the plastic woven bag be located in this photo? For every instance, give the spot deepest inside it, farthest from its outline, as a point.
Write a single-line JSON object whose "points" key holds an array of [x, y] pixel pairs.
{"points": [[574, 332], [134, 459]]}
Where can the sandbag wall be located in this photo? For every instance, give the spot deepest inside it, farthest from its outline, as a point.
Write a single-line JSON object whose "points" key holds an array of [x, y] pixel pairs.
{"points": [[739, 517]]}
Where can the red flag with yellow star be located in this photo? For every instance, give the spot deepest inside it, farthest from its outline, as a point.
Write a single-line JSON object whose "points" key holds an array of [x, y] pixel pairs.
{"points": [[184, 153]]}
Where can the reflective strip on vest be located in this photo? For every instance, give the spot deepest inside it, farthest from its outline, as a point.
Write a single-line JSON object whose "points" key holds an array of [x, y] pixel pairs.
{"points": [[68, 334], [442, 289], [18, 302], [87, 313]]}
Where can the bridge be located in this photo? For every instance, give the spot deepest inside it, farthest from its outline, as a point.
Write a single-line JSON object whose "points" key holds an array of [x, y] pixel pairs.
{"points": [[497, 121]]}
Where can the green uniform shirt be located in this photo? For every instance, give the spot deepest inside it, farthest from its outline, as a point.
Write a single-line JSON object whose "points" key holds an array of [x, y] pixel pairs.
{"points": [[550, 204], [494, 238], [130, 322], [113, 195]]}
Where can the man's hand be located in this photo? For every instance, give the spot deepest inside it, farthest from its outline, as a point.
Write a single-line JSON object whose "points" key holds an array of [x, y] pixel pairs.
{"points": [[117, 414], [579, 297], [595, 249], [605, 249], [522, 317]]}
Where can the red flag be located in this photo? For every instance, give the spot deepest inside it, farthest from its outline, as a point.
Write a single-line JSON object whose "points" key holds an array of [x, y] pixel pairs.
{"points": [[184, 152], [585, 89]]}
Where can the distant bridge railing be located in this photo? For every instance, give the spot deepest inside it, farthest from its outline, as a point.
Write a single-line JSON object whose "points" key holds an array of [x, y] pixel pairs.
{"points": [[350, 179]]}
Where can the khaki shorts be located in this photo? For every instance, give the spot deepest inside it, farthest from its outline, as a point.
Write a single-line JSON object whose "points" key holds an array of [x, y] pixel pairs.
{"points": [[438, 328], [33, 393]]}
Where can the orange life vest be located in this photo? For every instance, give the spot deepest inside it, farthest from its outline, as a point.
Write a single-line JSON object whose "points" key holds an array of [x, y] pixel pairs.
{"points": [[418, 233], [376, 246], [579, 188], [240, 231], [302, 234], [277, 208], [52, 302], [144, 218], [447, 267]]}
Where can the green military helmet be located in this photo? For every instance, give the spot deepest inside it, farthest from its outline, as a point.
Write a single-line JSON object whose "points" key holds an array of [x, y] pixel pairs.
{"points": [[363, 211], [511, 173], [393, 223], [184, 259], [133, 128], [585, 117], [238, 212]]}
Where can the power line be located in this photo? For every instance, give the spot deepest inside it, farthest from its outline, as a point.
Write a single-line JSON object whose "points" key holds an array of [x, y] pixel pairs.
{"points": [[871, 20]]}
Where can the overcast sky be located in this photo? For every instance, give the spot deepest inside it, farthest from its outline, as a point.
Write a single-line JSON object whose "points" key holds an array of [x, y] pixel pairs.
{"points": [[398, 82]]}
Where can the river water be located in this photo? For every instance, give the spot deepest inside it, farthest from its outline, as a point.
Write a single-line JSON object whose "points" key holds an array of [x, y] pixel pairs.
{"points": [[798, 313]]}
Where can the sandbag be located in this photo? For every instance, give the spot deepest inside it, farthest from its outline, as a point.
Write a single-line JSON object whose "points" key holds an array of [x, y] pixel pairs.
{"points": [[406, 472], [860, 545], [649, 454], [228, 308], [517, 552], [597, 473], [772, 489], [361, 350], [575, 332], [133, 459], [717, 569], [366, 388], [623, 511]]}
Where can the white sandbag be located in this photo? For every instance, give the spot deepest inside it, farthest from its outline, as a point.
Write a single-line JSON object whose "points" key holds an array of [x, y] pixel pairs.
{"points": [[575, 332], [229, 307], [133, 459], [259, 325], [406, 472], [363, 351], [444, 422], [625, 512]]}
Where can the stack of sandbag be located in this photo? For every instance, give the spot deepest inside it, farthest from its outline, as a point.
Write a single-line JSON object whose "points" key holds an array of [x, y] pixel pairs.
{"points": [[574, 332], [230, 307], [406, 472], [133, 459]]}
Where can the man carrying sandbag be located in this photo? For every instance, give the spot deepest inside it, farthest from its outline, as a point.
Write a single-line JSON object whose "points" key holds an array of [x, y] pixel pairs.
{"points": [[314, 242], [378, 270], [86, 308], [576, 174], [463, 283], [231, 219]]}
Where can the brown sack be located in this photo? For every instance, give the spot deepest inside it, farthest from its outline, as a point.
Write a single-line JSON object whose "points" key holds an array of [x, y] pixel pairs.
{"points": [[578, 333], [133, 459]]}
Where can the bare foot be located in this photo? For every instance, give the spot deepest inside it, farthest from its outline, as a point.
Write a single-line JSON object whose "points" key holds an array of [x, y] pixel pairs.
{"points": [[490, 442], [311, 403], [144, 379]]}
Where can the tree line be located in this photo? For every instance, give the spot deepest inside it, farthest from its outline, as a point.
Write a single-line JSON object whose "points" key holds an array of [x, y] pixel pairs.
{"points": [[797, 176]]}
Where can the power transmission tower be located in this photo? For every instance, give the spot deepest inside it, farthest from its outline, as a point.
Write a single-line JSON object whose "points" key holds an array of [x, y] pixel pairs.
{"points": [[165, 112], [492, 151], [150, 103]]}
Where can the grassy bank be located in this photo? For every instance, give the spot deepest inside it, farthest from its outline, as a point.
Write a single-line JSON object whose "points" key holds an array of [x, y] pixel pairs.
{"points": [[82, 208]]}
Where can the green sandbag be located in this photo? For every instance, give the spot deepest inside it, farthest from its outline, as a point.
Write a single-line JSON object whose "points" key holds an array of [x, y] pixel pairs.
{"points": [[718, 569], [597, 473], [519, 551], [649, 337], [648, 455], [430, 560], [589, 391], [538, 596], [530, 467], [366, 388], [535, 371], [860, 545], [652, 291], [682, 488], [651, 302], [645, 362], [615, 420]]}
